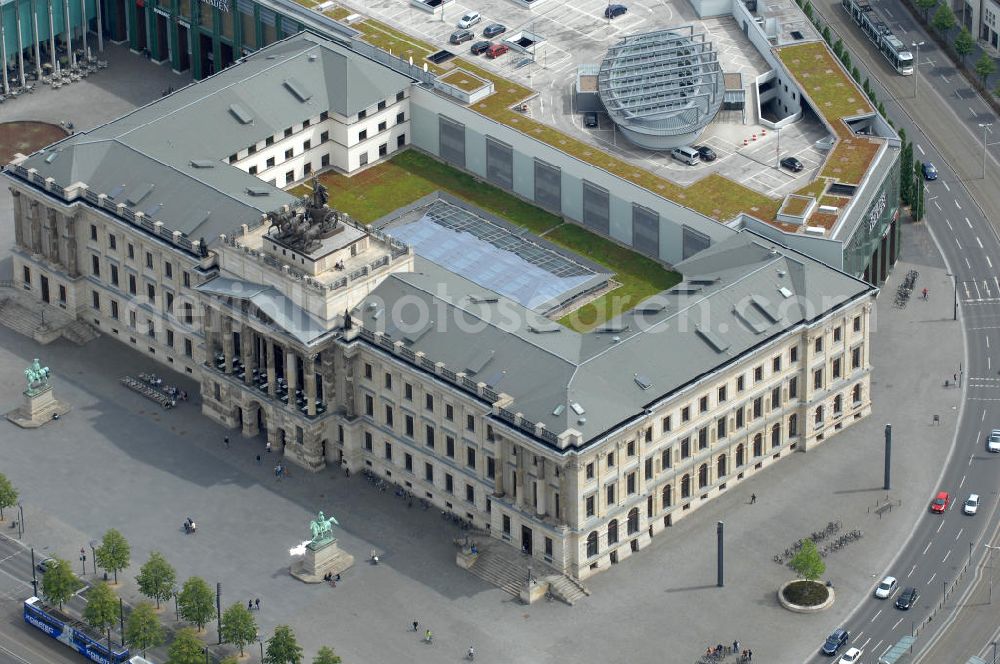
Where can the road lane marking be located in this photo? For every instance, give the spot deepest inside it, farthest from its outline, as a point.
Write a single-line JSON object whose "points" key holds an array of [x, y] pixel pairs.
{"points": [[969, 223], [897, 624], [980, 242], [940, 526], [946, 185], [912, 569], [971, 457], [921, 149], [987, 345], [959, 533], [946, 556], [988, 261], [864, 646], [962, 482], [887, 648], [937, 206], [974, 115], [968, 264], [957, 205], [932, 578], [876, 615], [956, 240], [925, 548], [946, 221]]}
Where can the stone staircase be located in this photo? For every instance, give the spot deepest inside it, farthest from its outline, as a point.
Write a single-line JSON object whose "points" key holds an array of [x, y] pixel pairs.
{"points": [[18, 318], [79, 333], [41, 322], [506, 568]]}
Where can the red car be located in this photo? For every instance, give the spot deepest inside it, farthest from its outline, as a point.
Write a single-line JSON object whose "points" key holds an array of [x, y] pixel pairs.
{"points": [[496, 50], [940, 503]]}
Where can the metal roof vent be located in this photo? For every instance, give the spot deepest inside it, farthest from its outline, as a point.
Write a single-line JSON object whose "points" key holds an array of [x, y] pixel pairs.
{"points": [[313, 57], [241, 113], [258, 191], [642, 381], [51, 158], [582, 420], [615, 339], [559, 410], [203, 163], [785, 292], [577, 408], [781, 273]]}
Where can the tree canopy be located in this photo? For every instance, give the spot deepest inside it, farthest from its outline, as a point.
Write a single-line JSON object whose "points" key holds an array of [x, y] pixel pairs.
{"points": [[807, 562], [8, 494], [143, 629], [964, 43], [238, 626], [114, 553], [157, 578], [101, 611], [186, 648], [196, 602], [282, 648], [326, 656], [985, 66], [59, 582]]}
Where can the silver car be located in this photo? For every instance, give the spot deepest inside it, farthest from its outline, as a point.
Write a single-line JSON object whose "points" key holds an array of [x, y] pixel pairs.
{"points": [[993, 442]]}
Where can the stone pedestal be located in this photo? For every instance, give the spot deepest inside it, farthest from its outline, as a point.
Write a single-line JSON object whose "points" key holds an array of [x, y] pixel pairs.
{"points": [[532, 591], [319, 559], [40, 406], [466, 558]]}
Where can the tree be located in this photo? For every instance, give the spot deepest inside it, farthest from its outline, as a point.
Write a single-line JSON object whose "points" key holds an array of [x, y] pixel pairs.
{"points": [[282, 648], [917, 206], [944, 19], [101, 611], [926, 6], [143, 629], [186, 648], [238, 626], [156, 578], [232, 659], [326, 656], [113, 554], [881, 110], [59, 583], [196, 602], [808, 10], [855, 73], [8, 494], [964, 44], [826, 34], [985, 67], [838, 47], [807, 562]]}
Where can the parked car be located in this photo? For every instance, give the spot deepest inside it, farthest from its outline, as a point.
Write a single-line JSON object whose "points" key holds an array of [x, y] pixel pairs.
{"points": [[852, 656], [590, 119], [494, 29], [971, 505], [707, 153], [835, 641], [479, 47], [614, 11], [496, 50], [469, 20], [907, 599], [940, 502], [792, 164], [461, 36], [886, 588], [993, 442], [44, 564], [930, 171]]}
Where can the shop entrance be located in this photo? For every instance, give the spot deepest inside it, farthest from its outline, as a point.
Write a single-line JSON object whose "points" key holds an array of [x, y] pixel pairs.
{"points": [[183, 47], [207, 55]]}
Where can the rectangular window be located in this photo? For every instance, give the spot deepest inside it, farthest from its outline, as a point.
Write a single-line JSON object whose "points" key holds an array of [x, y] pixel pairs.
{"points": [[429, 402], [168, 270], [388, 381], [408, 462], [381, 105], [590, 505], [793, 387], [269, 141], [151, 292], [836, 334], [400, 96], [93, 232], [758, 374], [470, 493], [131, 284], [382, 126], [610, 494], [131, 251], [170, 338], [407, 391], [666, 458], [703, 404], [818, 346], [363, 134], [388, 451], [758, 407], [836, 368], [95, 266], [288, 132], [720, 427], [270, 162], [590, 470], [96, 299], [449, 412], [114, 275], [289, 153], [611, 459], [470, 423], [739, 418], [648, 470], [400, 118], [408, 425], [740, 383], [324, 116], [306, 145], [776, 364], [449, 483], [149, 260], [112, 242], [490, 467], [665, 424], [793, 354], [685, 447], [685, 414], [722, 394], [630, 484], [428, 472], [856, 358], [362, 114], [388, 416], [253, 170], [775, 398], [289, 176], [369, 405], [470, 457], [188, 347], [857, 323], [630, 448], [324, 160], [702, 438], [817, 379], [324, 137], [369, 442], [449, 447], [401, 140], [114, 309], [368, 371], [252, 150], [187, 280]]}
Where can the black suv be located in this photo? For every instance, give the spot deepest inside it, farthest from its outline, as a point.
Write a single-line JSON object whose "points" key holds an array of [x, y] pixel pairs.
{"points": [[480, 47], [835, 641], [907, 598], [707, 153], [792, 164], [494, 29]]}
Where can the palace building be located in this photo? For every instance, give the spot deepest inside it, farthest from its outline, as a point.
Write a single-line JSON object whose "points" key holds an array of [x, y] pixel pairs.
{"points": [[342, 344]]}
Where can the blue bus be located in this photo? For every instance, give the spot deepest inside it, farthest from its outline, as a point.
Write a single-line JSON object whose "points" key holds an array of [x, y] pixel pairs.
{"points": [[71, 633]]}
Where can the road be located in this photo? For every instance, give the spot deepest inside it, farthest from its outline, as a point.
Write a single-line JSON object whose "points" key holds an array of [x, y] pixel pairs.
{"points": [[936, 559]]}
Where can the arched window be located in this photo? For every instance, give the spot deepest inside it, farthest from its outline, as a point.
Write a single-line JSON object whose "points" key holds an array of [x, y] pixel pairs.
{"points": [[720, 466], [703, 476], [633, 521], [668, 496], [856, 394], [838, 404], [592, 544], [613, 531], [758, 445], [819, 415], [793, 425], [686, 486], [775, 436], [739, 455]]}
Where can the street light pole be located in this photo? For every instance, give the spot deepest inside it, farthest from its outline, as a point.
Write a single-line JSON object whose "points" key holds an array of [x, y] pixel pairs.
{"points": [[989, 563], [985, 127], [916, 66], [954, 303], [20, 520], [93, 555]]}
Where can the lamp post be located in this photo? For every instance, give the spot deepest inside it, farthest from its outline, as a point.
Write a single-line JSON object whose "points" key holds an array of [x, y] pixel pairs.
{"points": [[260, 642], [985, 127], [83, 561], [916, 65], [989, 564], [954, 306], [20, 520], [93, 555]]}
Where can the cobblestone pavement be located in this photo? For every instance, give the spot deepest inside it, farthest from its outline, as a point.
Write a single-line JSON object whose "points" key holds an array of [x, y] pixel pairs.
{"points": [[117, 460]]}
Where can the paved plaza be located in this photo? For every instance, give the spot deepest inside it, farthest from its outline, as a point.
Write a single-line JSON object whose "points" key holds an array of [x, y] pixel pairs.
{"points": [[119, 461]]}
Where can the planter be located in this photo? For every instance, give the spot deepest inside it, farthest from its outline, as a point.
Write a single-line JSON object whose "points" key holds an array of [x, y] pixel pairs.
{"points": [[815, 587]]}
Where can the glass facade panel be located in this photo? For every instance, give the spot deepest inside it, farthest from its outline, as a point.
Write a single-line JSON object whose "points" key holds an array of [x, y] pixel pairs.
{"points": [[227, 23], [249, 29], [874, 224]]}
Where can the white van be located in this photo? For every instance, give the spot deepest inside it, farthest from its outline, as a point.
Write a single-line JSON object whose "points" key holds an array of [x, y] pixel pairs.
{"points": [[686, 154]]}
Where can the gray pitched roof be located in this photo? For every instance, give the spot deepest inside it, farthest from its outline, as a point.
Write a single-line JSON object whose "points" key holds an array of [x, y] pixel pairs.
{"points": [[287, 316], [731, 301], [179, 145]]}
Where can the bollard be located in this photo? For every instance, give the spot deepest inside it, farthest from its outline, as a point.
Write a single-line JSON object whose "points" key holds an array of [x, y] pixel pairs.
{"points": [[763, 132], [745, 142], [755, 137]]}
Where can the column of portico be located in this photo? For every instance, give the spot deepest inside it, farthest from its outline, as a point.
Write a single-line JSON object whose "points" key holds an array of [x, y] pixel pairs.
{"points": [[568, 481], [227, 340], [309, 383], [499, 474], [50, 239], [212, 336], [327, 371], [542, 488], [18, 217], [272, 379], [36, 227], [68, 247], [291, 373], [246, 353], [519, 473]]}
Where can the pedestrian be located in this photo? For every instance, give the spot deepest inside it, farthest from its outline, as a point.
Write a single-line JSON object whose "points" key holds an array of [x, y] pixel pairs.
{"points": [[256, 603], [249, 605], [925, 293], [226, 442], [277, 472], [736, 646], [348, 471], [753, 498], [258, 459], [955, 377], [415, 623], [749, 655], [268, 447]]}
